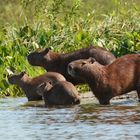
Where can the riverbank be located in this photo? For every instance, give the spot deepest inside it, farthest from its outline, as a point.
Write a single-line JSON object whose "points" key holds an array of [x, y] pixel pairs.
{"points": [[89, 98]]}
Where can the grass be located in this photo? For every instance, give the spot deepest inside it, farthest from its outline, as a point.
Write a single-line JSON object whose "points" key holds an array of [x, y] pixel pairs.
{"points": [[63, 25]]}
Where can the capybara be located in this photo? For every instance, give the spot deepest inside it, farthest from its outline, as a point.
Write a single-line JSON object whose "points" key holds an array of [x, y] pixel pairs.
{"points": [[118, 78], [29, 84], [61, 93], [56, 62]]}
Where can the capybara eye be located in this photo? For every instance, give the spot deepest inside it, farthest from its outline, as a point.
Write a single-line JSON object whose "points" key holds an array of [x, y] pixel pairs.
{"points": [[83, 63]]}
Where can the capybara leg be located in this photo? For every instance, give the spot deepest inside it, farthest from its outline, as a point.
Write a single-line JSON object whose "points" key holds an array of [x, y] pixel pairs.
{"points": [[138, 91], [104, 102], [76, 101]]}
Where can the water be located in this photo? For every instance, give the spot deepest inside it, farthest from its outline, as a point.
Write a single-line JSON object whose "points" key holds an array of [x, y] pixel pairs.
{"points": [[119, 121]]}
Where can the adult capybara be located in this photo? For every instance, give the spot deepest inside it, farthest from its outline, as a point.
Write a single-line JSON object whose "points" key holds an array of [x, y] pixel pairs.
{"points": [[56, 62], [29, 84], [61, 93], [118, 78]]}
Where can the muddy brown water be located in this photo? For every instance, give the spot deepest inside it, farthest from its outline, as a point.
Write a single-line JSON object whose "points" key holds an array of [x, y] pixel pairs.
{"points": [[24, 120]]}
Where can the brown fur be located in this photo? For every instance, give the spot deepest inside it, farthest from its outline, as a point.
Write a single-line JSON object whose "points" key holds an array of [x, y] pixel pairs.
{"points": [[56, 62], [118, 78], [29, 85], [61, 93]]}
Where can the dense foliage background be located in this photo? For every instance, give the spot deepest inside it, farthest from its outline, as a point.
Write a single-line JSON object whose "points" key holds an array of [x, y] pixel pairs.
{"points": [[63, 25]]}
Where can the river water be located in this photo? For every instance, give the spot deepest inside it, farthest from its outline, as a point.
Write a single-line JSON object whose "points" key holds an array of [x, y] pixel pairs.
{"points": [[88, 121]]}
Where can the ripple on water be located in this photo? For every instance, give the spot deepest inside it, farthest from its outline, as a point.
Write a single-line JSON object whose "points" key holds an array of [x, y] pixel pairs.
{"points": [[86, 121]]}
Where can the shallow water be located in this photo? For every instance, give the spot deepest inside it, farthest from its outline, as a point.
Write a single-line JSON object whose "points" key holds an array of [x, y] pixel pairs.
{"points": [[119, 121]]}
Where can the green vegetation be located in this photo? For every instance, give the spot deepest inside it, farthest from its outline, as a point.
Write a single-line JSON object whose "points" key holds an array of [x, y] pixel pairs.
{"points": [[63, 25]]}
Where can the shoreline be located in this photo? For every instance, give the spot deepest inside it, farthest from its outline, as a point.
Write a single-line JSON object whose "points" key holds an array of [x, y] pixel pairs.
{"points": [[89, 98]]}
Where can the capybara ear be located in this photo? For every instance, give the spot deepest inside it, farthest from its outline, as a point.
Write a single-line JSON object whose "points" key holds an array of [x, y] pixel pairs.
{"points": [[22, 73], [42, 85], [40, 88], [47, 50], [91, 60], [48, 85]]}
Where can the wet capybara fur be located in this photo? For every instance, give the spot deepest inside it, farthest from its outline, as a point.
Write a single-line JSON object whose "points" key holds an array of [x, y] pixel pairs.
{"points": [[29, 84], [118, 78], [61, 93], [56, 62]]}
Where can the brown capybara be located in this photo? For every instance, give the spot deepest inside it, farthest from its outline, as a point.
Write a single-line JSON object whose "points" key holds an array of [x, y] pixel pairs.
{"points": [[61, 93], [56, 62], [29, 85], [118, 78]]}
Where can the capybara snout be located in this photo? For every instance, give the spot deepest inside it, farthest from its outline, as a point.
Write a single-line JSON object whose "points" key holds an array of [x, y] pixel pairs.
{"points": [[33, 61], [14, 79], [30, 58], [70, 69]]}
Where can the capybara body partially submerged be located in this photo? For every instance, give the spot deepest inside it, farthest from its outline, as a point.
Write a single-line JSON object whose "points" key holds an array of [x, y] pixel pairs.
{"points": [[118, 78], [56, 62], [29, 85], [61, 93]]}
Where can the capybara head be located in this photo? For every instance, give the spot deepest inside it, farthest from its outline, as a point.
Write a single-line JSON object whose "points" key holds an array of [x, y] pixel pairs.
{"points": [[45, 86], [78, 67], [17, 78], [42, 58], [37, 58]]}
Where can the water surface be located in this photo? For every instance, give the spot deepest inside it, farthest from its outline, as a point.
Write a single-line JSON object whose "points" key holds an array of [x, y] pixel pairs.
{"points": [[119, 121]]}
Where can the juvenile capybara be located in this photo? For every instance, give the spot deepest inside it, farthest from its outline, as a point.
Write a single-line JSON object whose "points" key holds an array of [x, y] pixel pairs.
{"points": [[61, 93], [57, 62], [29, 84], [118, 78]]}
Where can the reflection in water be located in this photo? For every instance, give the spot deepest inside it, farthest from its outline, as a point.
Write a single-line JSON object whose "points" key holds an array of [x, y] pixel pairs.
{"points": [[110, 114], [86, 121]]}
